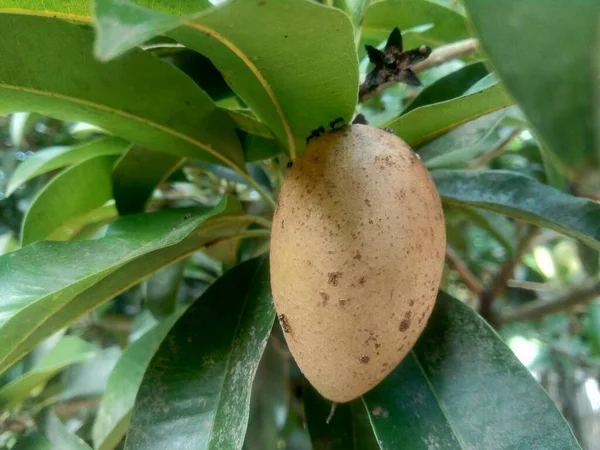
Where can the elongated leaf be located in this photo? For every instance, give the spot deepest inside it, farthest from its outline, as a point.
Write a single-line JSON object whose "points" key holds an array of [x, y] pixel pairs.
{"points": [[117, 403], [162, 288], [20, 124], [137, 174], [196, 391], [436, 24], [46, 285], [145, 100], [69, 350], [427, 122], [75, 192], [56, 432], [269, 400], [348, 429], [462, 144], [460, 388], [53, 158], [452, 85], [279, 73], [544, 54], [523, 198]]}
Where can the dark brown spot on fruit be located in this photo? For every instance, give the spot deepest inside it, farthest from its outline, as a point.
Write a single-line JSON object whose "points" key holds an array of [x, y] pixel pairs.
{"points": [[362, 281], [334, 278], [364, 359], [358, 256], [404, 325]]}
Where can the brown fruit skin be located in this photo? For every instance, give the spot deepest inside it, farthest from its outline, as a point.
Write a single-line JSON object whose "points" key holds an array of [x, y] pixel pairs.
{"points": [[357, 253]]}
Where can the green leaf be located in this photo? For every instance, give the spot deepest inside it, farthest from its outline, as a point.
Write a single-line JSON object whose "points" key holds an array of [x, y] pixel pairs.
{"points": [[161, 290], [52, 158], [114, 413], [32, 440], [196, 391], [56, 432], [7, 242], [89, 379], [139, 97], [20, 124], [74, 192], [245, 120], [462, 144], [269, 400], [354, 8], [452, 85], [47, 284], [427, 122], [436, 24], [544, 52], [69, 350], [295, 74], [349, 428], [462, 387], [137, 173], [523, 198]]}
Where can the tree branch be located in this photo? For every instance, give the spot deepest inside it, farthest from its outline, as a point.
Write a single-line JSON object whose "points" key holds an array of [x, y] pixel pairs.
{"points": [[500, 282], [463, 271], [438, 56], [494, 152], [588, 291]]}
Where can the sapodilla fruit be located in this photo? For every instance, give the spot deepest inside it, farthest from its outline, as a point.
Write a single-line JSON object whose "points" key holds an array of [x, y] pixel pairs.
{"points": [[357, 252]]}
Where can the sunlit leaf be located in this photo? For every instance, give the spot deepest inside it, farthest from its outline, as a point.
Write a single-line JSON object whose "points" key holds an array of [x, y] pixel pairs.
{"points": [[45, 285], [292, 95], [69, 350], [425, 123], [52, 158]]}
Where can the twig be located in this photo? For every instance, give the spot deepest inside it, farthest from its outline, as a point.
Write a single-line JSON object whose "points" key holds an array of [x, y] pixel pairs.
{"points": [[588, 291], [494, 152], [530, 285], [500, 282], [437, 57], [463, 271], [448, 52]]}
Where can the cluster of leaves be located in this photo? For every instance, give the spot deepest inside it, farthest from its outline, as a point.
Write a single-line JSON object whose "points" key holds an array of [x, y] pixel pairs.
{"points": [[139, 279]]}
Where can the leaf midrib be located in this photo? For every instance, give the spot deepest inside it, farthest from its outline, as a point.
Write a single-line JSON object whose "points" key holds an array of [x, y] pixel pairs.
{"points": [[437, 400], [126, 115]]}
